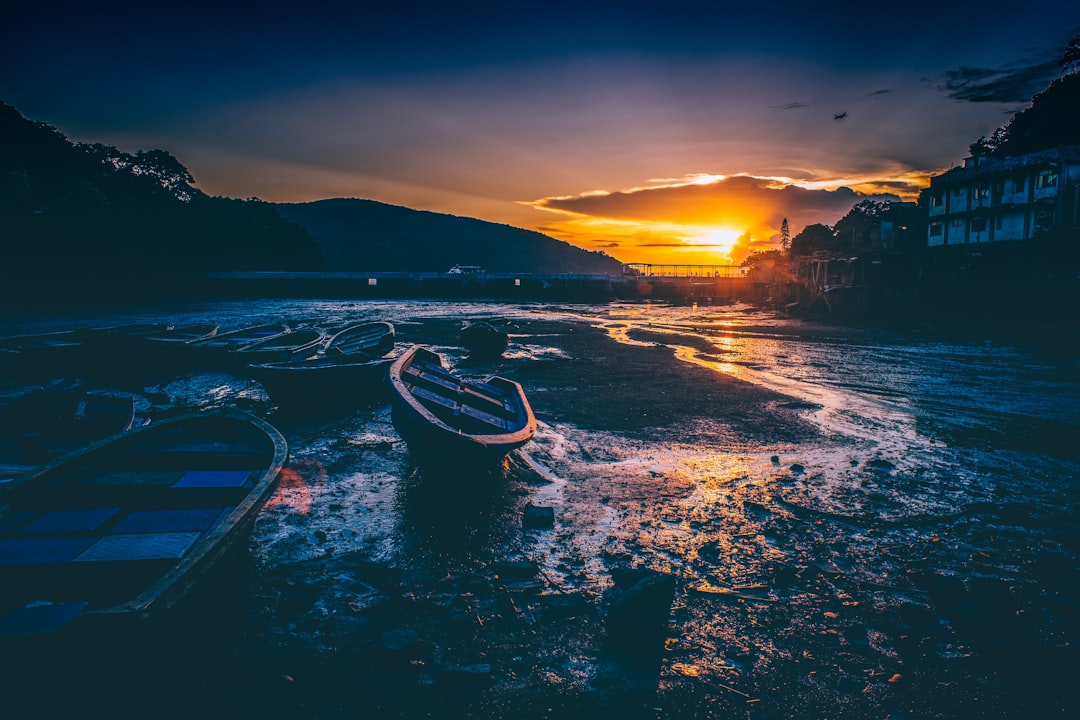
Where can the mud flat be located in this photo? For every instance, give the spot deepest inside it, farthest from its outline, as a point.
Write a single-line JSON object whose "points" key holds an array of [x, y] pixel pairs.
{"points": [[676, 542]]}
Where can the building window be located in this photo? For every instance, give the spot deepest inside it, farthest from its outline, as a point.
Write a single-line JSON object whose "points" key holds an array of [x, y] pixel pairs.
{"points": [[1044, 219], [1046, 179], [982, 192], [978, 224], [935, 229], [1019, 183], [998, 222], [958, 192], [936, 200]]}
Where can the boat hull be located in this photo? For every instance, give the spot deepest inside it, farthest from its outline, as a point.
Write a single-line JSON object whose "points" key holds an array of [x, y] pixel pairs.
{"points": [[324, 382], [452, 424], [120, 533]]}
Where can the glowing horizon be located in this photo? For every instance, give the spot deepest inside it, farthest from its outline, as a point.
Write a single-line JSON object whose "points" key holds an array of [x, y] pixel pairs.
{"points": [[709, 218], [659, 138]]}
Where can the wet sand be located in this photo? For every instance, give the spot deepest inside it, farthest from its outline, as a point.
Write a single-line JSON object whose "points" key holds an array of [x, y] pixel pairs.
{"points": [[374, 589]]}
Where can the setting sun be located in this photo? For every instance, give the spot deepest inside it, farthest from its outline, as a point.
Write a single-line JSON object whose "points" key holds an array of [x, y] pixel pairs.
{"points": [[721, 239]]}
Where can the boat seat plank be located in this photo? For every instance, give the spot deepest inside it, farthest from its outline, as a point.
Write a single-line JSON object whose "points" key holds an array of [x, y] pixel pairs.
{"points": [[496, 404], [426, 395], [474, 391], [133, 477], [15, 520], [69, 521], [486, 418], [165, 521], [434, 379], [39, 618], [139, 546], [41, 551], [214, 479], [433, 368]]}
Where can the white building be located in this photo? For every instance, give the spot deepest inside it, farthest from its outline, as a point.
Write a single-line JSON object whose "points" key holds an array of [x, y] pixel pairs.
{"points": [[999, 199]]}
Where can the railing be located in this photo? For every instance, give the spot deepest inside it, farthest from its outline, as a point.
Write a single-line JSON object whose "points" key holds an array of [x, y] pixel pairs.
{"points": [[658, 270]]}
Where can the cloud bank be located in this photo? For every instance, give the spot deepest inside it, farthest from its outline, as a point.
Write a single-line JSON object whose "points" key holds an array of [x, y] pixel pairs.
{"points": [[702, 221]]}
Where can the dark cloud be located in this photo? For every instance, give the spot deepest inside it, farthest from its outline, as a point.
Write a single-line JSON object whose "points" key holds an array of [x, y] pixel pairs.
{"points": [[1014, 83], [746, 200], [877, 93], [676, 245], [791, 106]]}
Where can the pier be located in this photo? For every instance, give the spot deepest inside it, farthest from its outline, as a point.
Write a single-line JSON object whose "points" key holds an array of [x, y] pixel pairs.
{"points": [[696, 283]]}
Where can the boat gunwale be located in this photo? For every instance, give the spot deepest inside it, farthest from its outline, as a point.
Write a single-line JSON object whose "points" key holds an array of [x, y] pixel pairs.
{"points": [[169, 587], [516, 438]]}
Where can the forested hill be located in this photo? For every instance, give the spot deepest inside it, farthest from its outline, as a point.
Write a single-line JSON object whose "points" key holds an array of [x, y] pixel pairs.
{"points": [[72, 210], [360, 235], [84, 217]]}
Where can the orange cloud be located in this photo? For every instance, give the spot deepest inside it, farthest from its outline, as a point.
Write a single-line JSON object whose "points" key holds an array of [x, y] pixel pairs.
{"points": [[706, 219]]}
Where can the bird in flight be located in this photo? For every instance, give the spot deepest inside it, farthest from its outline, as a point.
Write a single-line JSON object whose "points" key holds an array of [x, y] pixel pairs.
{"points": [[839, 116]]}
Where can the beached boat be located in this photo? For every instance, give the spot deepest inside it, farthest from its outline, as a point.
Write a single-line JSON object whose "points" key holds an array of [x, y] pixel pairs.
{"points": [[39, 425], [454, 422], [371, 339], [226, 341], [119, 533], [135, 354], [483, 340], [42, 355], [324, 382], [161, 336], [299, 343], [215, 351], [350, 369]]}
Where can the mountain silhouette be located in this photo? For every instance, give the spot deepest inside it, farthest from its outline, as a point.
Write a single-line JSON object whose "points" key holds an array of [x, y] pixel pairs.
{"points": [[359, 235]]}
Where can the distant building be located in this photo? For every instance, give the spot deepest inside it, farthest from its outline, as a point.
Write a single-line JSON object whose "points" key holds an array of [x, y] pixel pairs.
{"points": [[1000, 199]]}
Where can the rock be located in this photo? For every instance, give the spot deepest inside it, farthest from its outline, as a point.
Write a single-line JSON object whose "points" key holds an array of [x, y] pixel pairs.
{"points": [[475, 675], [637, 622], [536, 517], [516, 566], [797, 468], [398, 640], [775, 459]]}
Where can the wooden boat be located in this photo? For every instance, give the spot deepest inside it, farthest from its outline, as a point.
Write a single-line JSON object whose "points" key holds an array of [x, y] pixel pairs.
{"points": [[134, 354], [119, 533], [483, 340], [348, 371], [371, 339], [238, 338], [298, 343], [42, 424], [323, 382], [43, 355], [452, 421], [166, 336], [214, 351]]}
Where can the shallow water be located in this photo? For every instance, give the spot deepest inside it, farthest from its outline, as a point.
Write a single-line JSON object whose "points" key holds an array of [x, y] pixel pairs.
{"points": [[859, 571]]}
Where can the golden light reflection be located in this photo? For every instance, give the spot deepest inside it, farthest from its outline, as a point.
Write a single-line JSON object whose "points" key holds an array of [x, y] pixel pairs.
{"points": [[295, 484], [691, 355]]}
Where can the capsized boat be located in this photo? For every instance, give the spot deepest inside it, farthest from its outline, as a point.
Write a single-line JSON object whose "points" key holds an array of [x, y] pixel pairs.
{"points": [[483, 340]]}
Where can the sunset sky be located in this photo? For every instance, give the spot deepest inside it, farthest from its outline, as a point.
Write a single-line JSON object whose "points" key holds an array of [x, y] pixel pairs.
{"points": [[674, 132]]}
